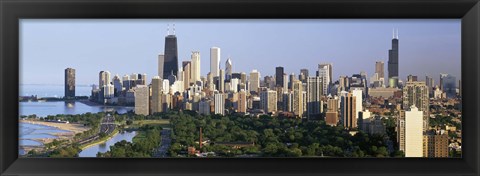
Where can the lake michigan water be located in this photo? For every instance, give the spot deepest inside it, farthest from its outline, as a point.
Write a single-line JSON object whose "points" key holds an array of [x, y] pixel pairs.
{"points": [[29, 132]]}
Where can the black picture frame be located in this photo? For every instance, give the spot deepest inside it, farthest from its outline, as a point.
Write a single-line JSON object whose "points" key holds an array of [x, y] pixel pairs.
{"points": [[13, 10]]}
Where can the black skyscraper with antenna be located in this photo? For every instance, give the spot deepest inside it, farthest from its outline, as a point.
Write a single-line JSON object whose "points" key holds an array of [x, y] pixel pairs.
{"points": [[393, 58], [170, 65]]}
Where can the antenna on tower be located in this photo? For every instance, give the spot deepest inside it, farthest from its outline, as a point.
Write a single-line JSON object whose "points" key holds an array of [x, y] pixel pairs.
{"points": [[173, 28], [393, 33], [397, 33], [168, 29]]}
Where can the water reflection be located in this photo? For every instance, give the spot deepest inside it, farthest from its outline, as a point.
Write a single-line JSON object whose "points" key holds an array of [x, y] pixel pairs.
{"points": [[104, 147]]}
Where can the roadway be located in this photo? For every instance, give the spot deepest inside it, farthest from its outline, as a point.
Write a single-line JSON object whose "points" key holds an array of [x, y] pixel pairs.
{"points": [[162, 150]]}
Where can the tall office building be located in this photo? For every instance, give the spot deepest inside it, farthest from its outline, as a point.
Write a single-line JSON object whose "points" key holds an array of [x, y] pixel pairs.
{"points": [[268, 101], [221, 81], [242, 101], [126, 82], [303, 75], [314, 95], [348, 110], [380, 69], [170, 63], [214, 61], [297, 105], [142, 100], [279, 77], [324, 72], [104, 78], [430, 82], [413, 132], [69, 83], [195, 67], [117, 85], [219, 103], [291, 80], [358, 100], [448, 84], [187, 71], [228, 69], [393, 60], [416, 93], [161, 60], [254, 81], [156, 94]]}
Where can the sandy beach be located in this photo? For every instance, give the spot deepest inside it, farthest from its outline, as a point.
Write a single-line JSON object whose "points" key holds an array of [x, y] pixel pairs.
{"points": [[75, 128]]}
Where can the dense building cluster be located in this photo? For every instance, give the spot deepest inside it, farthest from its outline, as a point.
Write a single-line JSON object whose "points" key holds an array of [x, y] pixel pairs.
{"points": [[350, 101]]}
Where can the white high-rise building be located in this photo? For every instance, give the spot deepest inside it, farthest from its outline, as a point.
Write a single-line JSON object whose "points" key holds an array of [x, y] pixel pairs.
{"points": [[254, 81], [219, 103], [357, 93], [324, 71], [161, 60], [214, 61], [195, 67], [104, 78], [228, 69], [166, 85], [414, 132], [234, 84]]}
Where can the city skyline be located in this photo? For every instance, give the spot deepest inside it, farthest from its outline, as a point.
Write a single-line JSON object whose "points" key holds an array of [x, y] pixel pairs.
{"points": [[240, 57]]}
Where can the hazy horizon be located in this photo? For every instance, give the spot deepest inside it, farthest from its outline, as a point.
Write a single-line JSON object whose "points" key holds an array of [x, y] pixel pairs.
{"points": [[48, 46]]}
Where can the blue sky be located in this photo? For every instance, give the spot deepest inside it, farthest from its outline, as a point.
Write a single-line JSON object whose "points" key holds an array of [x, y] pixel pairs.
{"points": [[48, 46]]}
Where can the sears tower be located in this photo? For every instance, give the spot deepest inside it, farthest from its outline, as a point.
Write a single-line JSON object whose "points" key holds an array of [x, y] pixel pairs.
{"points": [[393, 59], [170, 62]]}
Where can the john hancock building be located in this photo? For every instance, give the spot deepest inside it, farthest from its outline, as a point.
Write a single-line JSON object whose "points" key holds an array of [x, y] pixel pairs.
{"points": [[259, 111]]}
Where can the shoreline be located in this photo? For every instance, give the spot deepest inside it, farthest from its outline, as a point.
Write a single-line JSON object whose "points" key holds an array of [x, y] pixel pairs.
{"points": [[115, 132], [71, 127]]}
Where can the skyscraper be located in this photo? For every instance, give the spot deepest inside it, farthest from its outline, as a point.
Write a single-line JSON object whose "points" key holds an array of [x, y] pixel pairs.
{"points": [[279, 77], [142, 100], [416, 93], [348, 110], [448, 84], [221, 81], [161, 59], [219, 103], [214, 61], [268, 101], [117, 85], [242, 101], [69, 83], [314, 94], [379, 68], [187, 71], [297, 106], [413, 132], [228, 69], [393, 59], [156, 94], [104, 78], [254, 81], [358, 100], [170, 63], [324, 72], [195, 71]]}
